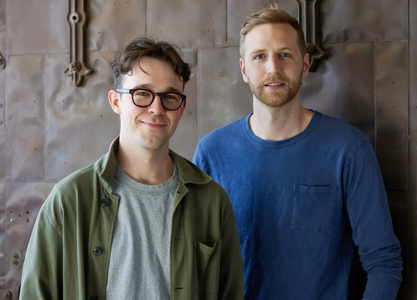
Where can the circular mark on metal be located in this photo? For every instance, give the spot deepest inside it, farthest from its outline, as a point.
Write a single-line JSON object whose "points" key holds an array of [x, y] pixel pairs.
{"points": [[74, 18]]}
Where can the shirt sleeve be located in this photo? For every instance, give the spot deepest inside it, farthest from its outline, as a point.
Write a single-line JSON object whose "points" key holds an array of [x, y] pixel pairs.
{"points": [[372, 231], [198, 157]]}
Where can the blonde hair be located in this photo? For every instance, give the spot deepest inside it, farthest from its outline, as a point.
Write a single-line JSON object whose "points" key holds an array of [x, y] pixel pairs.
{"points": [[271, 15]]}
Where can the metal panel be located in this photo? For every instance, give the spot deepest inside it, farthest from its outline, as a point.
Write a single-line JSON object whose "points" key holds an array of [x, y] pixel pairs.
{"points": [[185, 139], [392, 112], [112, 24], [366, 20], [223, 95], [3, 71], [2, 15], [412, 264], [343, 86], [188, 24], [238, 10], [3, 239], [2, 117], [2, 156], [23, 200], [25, 118], [27, 22], [80, 122], [413, 69], [413, 219]]}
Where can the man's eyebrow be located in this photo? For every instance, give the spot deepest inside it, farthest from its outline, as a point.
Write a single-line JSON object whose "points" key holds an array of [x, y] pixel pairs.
{"points": [[150, 87], [172, 89], [256, 51]]}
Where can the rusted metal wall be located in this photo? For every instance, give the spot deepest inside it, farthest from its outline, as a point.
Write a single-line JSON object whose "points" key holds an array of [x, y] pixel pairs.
{"points": [[50, 128]]}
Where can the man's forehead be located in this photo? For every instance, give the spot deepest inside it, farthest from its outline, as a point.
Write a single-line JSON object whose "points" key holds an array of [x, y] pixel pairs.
{"points": [[154, 74], [268, 35]]}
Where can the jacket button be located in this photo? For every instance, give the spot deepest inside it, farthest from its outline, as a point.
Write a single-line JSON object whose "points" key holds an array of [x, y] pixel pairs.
{"points": [[97, 251], [105, 202]]}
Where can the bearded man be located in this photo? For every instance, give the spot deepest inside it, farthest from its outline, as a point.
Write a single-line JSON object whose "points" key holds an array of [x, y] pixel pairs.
{"points": [[306, 188]]}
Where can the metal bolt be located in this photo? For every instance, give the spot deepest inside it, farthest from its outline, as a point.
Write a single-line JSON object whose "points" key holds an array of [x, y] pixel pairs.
{"points": [[7, 296], [74, 66]]}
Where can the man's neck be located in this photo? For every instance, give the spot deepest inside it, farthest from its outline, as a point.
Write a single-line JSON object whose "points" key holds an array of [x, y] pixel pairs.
{"points": [[279, 123], [145, 166]]}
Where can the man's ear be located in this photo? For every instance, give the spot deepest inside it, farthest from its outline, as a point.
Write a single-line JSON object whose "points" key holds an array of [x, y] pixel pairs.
{"points": [[114, 99], [306, 64], [243, 70], [182, 108]]}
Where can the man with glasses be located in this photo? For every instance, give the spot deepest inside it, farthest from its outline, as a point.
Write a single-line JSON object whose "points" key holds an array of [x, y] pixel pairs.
{"points": [[142, 222]]}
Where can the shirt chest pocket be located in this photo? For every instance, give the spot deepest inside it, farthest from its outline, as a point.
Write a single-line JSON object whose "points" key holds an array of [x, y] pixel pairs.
{"points": [[207, 267], [313, 207]]}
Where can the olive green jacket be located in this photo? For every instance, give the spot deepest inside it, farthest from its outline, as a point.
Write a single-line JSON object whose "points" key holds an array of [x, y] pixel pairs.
{"points": [[69, 250]]}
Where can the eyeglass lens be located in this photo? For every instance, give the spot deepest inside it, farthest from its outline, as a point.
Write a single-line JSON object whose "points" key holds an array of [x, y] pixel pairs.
{"points": [[169, 100]]}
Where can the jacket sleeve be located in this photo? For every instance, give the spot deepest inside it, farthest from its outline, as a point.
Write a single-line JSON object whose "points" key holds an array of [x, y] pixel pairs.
{"points": [[372, 231], [231, 272], [42, 274]]}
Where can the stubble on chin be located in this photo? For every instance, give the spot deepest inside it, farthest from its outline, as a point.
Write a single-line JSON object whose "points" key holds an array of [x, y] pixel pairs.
{"points": [[276, 98]]}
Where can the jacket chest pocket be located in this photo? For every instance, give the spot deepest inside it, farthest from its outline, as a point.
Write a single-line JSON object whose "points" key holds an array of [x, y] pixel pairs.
{"points": [[313, 207], [207, 267]]}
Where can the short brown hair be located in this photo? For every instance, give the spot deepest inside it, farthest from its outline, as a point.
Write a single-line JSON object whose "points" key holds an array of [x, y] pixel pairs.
{"points": [[271, 15], [147, 46]]}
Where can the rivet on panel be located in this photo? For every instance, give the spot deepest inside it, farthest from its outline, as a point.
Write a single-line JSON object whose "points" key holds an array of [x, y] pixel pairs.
{"points": [[7, 296]]}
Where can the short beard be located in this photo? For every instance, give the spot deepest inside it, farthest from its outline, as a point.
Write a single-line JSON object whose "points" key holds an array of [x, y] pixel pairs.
{"points": [[278, 98]]}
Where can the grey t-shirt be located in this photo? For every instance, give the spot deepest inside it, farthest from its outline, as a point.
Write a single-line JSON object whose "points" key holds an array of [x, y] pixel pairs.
{"points": [[139, 258]]}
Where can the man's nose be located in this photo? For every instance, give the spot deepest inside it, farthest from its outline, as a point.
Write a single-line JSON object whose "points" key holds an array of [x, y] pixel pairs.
{"points": [[156, 107], [272, 65]]}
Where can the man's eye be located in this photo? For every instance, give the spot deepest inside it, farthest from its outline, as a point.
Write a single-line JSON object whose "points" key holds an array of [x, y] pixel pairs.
{"points": [[284, 55], [172, 97], [142, 93], [259, 56]]}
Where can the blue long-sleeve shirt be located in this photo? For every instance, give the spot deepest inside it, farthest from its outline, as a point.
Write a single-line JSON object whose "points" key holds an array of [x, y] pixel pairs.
{"points": [[301, 206]]}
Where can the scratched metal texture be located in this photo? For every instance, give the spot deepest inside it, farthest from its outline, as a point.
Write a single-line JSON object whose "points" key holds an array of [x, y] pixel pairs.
{"points": [[112, 24], [224, 97], [188, 23], [83, 116], [51, 128], [238, 10], [185, 137], [36, 26]]}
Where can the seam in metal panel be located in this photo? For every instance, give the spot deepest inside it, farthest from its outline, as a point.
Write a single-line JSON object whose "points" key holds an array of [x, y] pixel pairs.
{"points": [[2, 115]]}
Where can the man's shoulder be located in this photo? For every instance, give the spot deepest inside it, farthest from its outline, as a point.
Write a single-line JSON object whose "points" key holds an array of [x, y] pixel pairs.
{"points": [[81, 177], [338, 129], [226, 132], [75, 185]]}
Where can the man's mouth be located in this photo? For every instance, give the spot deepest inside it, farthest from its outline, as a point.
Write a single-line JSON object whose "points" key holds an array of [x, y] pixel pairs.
{"points": [[274, 84], [154, 124]]}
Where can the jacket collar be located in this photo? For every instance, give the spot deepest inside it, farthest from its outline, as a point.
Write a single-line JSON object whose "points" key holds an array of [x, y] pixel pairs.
{"points": [[188, 172]]}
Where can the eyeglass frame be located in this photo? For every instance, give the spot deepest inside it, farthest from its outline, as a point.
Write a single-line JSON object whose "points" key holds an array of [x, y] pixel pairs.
{"points": [[161, 96]]}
